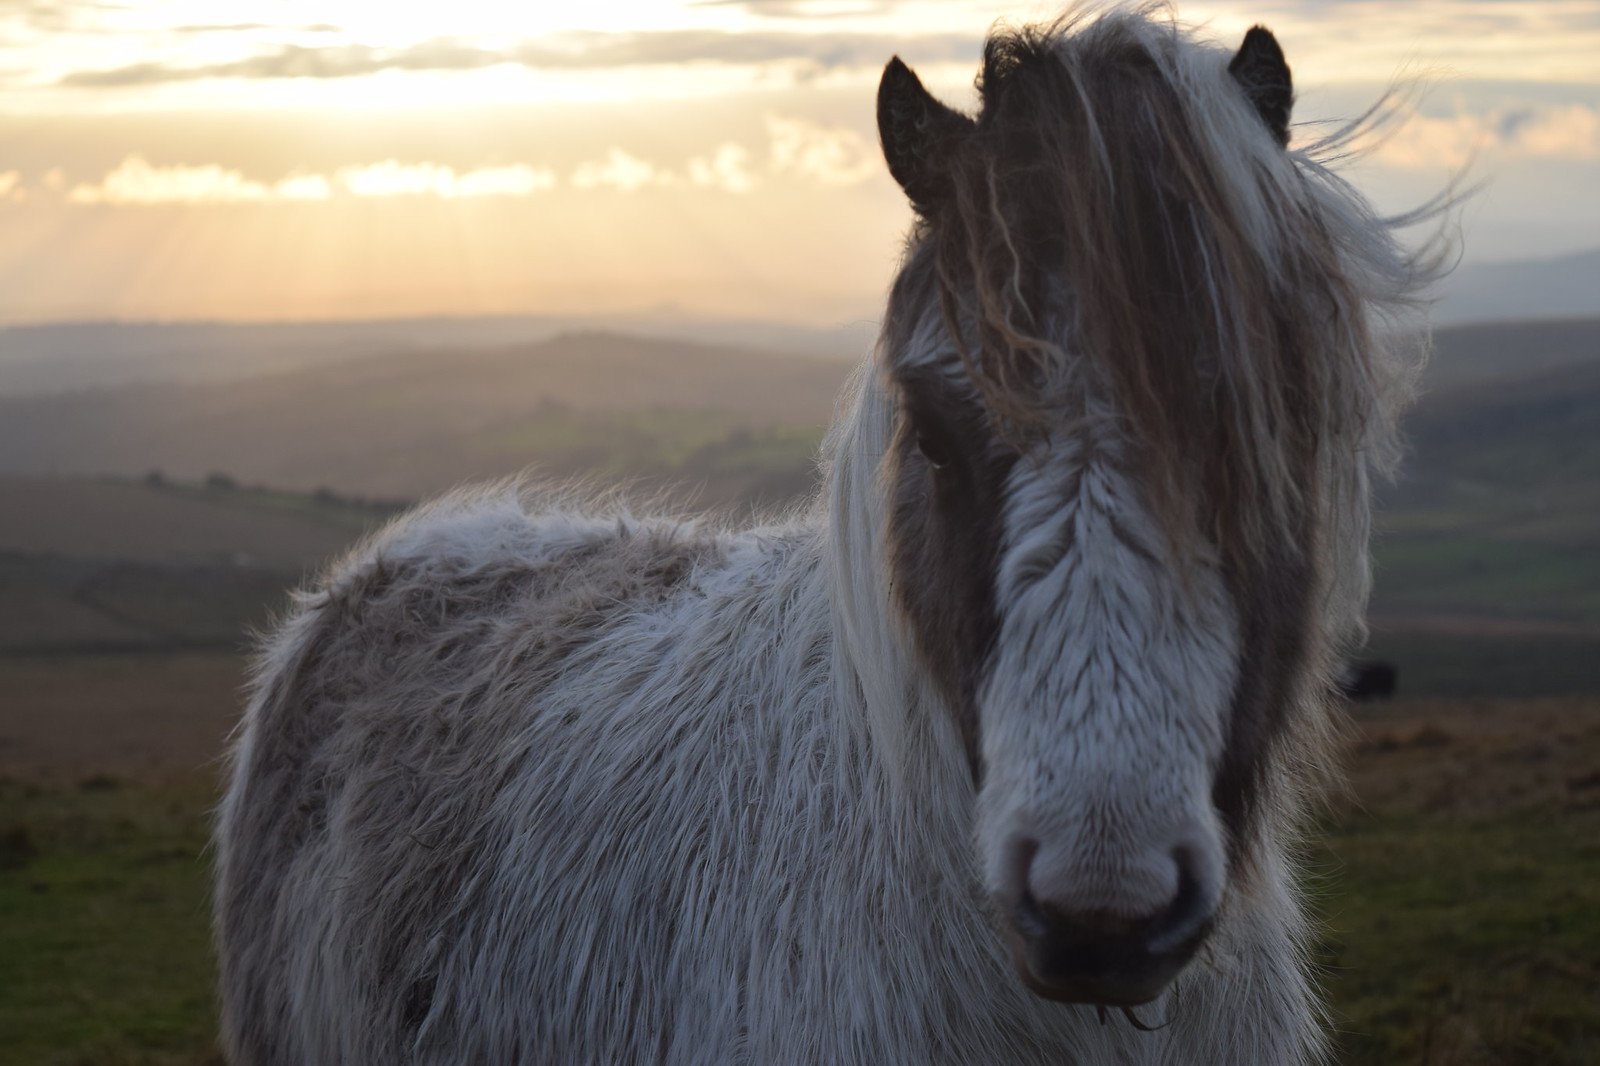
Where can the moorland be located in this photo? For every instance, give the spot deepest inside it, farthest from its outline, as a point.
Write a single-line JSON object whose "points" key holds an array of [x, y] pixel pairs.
{"points": [[148, 527]]}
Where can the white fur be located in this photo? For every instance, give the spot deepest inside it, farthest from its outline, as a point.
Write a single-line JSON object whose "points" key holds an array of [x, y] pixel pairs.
{"points": [[1105, 708]]}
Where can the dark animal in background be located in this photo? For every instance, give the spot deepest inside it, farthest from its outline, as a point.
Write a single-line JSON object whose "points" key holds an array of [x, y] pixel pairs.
{"points": [[1368, 681]]}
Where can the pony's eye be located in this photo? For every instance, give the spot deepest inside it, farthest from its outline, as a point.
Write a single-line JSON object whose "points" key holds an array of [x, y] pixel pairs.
{"points": [[936, 451]]}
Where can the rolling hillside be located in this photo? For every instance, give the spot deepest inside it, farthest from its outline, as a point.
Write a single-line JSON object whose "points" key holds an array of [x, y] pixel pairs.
{"points": [[1502, 351], [55, 357], [1488, 554], [411, 424], [111, 566], [1488, 558], [1566, 286]]}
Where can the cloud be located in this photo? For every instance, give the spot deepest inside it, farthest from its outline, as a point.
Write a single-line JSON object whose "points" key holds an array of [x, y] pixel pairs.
{"points": [[1570, 132], [727, 169], [794, 9], [561, 51], [304, 187], [254, 27], [136, 181], [56, 15], [394, 178], [798, 151], [822, 154], [621, 171]]}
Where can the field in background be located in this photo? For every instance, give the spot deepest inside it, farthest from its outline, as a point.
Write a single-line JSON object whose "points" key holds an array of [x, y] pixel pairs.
{"points": [[1498, 604], [1458, 882]]}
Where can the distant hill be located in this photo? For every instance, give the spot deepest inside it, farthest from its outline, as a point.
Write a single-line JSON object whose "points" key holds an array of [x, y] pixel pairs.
{"points": [[1500, 351], [58, 357], [165, 523], [1488, 554], [1532, 431], [1565, 286], [1507, 451], [411, 424], [117, 566]]}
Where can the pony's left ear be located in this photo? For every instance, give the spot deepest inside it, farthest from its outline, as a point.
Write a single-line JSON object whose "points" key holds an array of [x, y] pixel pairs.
{"points": [[919, 135], [1262, 72]]}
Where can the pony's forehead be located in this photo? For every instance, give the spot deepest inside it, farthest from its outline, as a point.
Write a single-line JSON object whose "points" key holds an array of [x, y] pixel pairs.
{"points": [[1058, 63], [919, 344]]}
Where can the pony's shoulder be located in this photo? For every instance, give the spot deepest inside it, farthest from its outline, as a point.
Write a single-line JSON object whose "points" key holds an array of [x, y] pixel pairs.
{"points": [[480, 546], [470, 582], [480, 579]]}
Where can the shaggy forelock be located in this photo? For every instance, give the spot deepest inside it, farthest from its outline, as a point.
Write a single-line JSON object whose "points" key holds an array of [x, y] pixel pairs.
{"points": [[1122, 215]]}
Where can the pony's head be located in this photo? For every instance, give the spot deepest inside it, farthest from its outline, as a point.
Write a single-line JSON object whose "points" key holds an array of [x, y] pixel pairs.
{"points": [[1136, 393]]}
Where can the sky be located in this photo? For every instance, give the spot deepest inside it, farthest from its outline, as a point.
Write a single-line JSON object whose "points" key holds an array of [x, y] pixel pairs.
{"points": [[310, 159]]}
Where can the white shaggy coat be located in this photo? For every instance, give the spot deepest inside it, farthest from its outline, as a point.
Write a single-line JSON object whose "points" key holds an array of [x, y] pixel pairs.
{"points": [[681, 844]]}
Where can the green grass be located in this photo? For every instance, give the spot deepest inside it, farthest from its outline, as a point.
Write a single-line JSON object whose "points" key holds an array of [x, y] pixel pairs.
{"points": [[104, 938], [1459, 898], [1482, 573], [609, 444], [51, 604], [665, 443], [1465, 943]]}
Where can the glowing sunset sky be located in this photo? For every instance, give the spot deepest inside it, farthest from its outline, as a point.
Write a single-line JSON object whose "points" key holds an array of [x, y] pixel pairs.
{"points": [[301, 159]]}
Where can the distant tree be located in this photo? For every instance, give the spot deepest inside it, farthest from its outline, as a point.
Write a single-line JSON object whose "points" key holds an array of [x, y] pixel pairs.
{"points": [[220, 482], [155, 479], [327, 497]]}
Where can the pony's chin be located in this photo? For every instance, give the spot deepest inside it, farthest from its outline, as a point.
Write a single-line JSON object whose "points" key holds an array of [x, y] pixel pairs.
{"points": [[1121, 986], [1091, 993]]}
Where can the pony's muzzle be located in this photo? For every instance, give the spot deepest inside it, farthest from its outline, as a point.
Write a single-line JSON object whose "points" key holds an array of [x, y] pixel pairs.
{"points": [[1104, 956]]}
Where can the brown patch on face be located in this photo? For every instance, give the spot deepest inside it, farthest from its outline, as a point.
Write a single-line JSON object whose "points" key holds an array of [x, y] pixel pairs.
{"points": [[1273, 583], [1275, 623], [948, 476]]}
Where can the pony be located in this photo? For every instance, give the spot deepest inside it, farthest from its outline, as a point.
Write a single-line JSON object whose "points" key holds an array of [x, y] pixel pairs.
{"points": [[995, 751]]}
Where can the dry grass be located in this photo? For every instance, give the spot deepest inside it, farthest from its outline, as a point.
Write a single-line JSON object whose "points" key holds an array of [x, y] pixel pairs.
{"points": [[144, 718]]}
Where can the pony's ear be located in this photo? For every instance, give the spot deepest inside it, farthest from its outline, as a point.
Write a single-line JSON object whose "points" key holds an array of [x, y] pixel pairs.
{"points": [[1261, 71], [919, 136]]}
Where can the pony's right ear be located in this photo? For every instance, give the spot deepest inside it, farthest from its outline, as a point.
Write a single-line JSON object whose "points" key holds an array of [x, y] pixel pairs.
{"points": [[919, 135], [1263, 74]]}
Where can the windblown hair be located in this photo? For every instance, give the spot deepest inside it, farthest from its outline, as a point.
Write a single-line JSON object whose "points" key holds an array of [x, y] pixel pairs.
{"points": [[1237, 303]]}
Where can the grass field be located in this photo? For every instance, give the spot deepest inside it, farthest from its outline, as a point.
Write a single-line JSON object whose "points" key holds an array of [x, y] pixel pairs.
{"points": [[1461, 885], [104, 948], [1458, 881]]}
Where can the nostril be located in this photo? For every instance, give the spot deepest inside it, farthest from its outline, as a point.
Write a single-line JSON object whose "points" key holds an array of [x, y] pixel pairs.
{"points": [[1016, 870], [1029, 916], [1188, 913]]}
